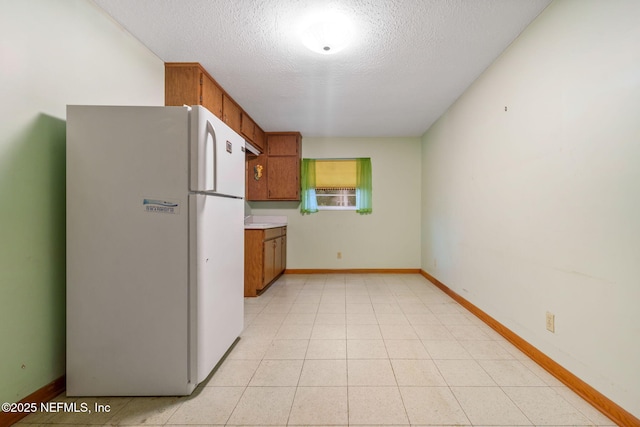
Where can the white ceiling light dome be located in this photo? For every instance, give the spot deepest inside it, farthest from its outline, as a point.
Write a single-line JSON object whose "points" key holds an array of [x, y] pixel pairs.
{"points": [[326, 32]]}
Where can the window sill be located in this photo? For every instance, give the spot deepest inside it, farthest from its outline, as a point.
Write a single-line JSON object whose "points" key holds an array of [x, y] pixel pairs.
{"points": [[336, 208]]}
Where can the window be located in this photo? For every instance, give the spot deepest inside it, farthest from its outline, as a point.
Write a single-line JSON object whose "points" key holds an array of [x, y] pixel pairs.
{"points": [[336, 198], [336, 184]]}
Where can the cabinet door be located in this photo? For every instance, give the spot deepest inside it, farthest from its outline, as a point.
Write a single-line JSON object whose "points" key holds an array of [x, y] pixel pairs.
{"points": [[211, 96], [283, 178], [248, 127], [181, 85], [277, 259], [256, 181], [269, 262], [231, 113], [284, 144], [283, 251], [253, 261], [259, 139], [252, 131]]}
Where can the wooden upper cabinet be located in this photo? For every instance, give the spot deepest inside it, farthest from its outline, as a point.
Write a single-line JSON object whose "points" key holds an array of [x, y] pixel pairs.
{"points": [[260, 138], [275, 174], [256, 180], [182, 84], [283, 181], [284, 144], [211, 96], [190, 84], [248, 126], [252, 131], [280, 165], [231, 113], [284, 151]]}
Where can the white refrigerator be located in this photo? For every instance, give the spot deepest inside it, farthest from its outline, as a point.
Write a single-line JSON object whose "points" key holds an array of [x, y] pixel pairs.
{"points": [[155, 243]]}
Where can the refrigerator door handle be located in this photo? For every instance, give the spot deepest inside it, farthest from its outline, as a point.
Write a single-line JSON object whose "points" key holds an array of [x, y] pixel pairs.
{"points": [[212, 159]]}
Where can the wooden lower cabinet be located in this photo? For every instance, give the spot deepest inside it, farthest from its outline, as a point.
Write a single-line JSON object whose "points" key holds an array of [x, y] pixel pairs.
{"points": [[265, 258]]}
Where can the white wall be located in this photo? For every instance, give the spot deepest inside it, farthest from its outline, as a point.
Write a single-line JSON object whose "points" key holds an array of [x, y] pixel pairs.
{"points": [[52, 53], [388, 238], [537, 208]]}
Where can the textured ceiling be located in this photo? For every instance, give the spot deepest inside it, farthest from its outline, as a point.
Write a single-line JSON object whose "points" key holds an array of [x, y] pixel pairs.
{"points": [[409, 61]]}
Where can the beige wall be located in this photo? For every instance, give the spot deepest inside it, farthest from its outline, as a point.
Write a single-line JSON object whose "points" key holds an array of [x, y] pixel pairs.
{"points": [[52, 53], [388, 238], [537, 208]]}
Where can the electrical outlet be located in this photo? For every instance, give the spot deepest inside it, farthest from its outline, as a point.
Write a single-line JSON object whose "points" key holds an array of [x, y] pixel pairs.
{"points": [[551, 322], [339, 255]]}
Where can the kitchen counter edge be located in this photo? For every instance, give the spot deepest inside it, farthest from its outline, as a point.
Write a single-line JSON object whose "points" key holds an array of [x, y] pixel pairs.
{"points": [[263, 226]]}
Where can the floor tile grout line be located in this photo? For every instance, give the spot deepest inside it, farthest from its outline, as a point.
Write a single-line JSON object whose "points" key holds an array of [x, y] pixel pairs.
{"points": [[295, 288], [475, 359], [518, 406]]}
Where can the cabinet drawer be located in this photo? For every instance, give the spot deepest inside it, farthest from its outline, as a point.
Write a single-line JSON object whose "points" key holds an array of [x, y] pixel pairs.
{"points": [[272, 233]]}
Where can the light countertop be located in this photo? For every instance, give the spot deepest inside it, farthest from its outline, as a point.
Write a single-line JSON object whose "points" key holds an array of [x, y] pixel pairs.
{"points": [[261, 222]]}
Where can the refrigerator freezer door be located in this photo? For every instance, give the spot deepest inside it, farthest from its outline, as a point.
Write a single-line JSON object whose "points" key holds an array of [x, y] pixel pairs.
{"points": [[217, 155], [217, 287]]}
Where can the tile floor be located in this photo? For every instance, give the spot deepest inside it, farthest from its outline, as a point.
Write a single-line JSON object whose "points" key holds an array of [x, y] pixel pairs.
{"points": [[358, 350]]}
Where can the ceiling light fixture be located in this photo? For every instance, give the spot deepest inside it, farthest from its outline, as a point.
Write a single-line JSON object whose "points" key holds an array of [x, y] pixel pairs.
{"points": [[326, 33]]}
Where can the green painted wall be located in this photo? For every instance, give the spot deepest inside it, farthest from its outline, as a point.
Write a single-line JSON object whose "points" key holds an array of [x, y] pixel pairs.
{"points": [[53, 53], [32, 256]]}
